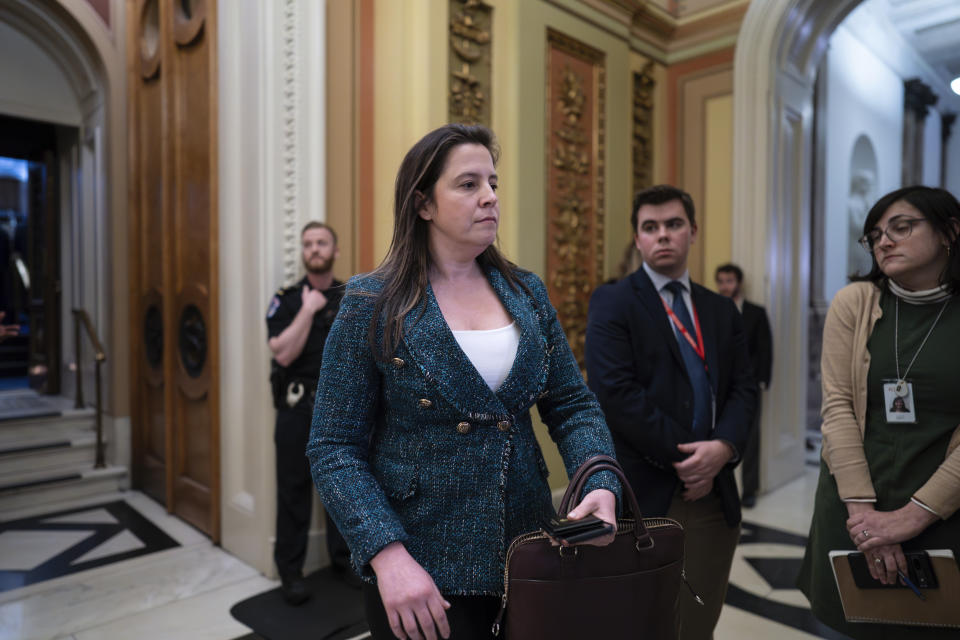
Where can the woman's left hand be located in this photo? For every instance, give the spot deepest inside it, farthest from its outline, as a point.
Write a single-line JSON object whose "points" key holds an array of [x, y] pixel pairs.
{"points": [[602, 503], [884, 562], [873, 529]]}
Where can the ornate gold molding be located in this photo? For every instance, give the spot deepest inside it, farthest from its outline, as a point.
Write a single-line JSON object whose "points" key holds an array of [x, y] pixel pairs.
{"points": [[676, 36], [470, 67], [668, 33], [643, 85], [576, 94]]}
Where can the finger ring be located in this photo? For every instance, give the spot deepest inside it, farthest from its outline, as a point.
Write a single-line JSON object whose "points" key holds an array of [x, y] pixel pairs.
{"points": [[877, 561], [866, 534]]}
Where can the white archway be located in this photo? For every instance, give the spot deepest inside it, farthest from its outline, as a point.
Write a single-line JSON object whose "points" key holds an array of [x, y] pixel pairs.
{"points": [[89, 56], [779, 47]]}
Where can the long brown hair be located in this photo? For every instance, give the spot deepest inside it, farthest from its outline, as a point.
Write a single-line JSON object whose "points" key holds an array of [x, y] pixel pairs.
{"points": [[404, 272]]}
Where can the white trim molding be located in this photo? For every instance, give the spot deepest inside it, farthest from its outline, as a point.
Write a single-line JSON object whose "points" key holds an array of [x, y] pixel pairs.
{"points": [[779, 47], [271, 150], [289, 155]]}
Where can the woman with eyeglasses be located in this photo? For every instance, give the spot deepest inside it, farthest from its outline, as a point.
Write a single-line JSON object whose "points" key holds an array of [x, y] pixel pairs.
{"points": [[890, 469]]}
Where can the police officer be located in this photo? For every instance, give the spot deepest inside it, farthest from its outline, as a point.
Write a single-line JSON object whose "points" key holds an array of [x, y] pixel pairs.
{"points": [[298, 320]]}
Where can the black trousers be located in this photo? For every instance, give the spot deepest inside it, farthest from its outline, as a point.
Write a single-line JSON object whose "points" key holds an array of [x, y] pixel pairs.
{"points": [[751, 456], [470, 617], [295, 492]]}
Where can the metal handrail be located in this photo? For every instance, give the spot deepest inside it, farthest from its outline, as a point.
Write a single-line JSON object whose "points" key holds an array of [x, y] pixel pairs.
{"points": [[80, 316]]}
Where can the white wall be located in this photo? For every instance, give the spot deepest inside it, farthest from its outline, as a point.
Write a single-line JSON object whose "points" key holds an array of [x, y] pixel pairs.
{"points": [[34, 86], [864, 96]]}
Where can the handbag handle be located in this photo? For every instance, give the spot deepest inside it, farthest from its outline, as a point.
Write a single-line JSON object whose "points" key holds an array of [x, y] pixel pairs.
{"points": [[597, 464]]}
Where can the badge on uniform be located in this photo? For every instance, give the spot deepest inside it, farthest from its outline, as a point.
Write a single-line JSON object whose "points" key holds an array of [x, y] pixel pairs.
{"points": [[274, 305], [898, 401], [294, 393]]}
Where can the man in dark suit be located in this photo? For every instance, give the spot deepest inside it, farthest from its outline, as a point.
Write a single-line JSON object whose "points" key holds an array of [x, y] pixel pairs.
{"points": [[668, 361], [729, 279]]}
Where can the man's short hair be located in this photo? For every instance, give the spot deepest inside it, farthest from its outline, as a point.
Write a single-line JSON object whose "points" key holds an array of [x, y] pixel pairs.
{"points": [[730, 268], [658, 194], [315, 224]]}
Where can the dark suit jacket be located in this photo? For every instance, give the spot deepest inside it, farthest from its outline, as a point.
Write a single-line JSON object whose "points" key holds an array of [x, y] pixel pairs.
{"points": [[759, 341], [635, 368]]}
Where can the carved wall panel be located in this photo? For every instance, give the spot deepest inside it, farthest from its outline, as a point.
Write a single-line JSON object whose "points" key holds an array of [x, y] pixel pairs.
{"points": [[576, 87], [470, 68], [643, 86]]}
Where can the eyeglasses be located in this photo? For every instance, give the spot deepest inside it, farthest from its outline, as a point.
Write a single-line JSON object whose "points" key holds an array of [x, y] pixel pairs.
{"points": [[897, 230]]}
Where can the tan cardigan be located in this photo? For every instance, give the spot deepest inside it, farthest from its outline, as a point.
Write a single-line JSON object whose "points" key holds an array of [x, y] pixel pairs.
{"points": [[844, 364]]}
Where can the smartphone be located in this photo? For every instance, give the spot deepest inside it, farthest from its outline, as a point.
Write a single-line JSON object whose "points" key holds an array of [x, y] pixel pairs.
{"points": [[573, 531], [920, 572]]}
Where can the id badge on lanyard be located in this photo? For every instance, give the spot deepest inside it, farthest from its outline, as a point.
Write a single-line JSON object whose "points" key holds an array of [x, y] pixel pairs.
{"points": [[899, 403]]}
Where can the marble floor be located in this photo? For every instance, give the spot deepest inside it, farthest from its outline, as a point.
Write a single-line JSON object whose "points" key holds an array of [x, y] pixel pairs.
{"points": [[167, 580], [126, 569]]}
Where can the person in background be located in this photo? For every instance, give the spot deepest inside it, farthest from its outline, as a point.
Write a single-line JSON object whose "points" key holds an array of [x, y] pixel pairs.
{"points": [[422, 444], [298, 320], [668, 361], [729, 280], [888, 486], [630, 261]]}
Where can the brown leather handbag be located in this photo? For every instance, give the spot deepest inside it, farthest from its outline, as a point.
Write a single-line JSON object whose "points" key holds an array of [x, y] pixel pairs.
{"points": [[627, 589]]}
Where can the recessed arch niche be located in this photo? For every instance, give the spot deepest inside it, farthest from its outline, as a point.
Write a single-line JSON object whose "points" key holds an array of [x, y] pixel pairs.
{"points": [[861, 195], [779, 47]]}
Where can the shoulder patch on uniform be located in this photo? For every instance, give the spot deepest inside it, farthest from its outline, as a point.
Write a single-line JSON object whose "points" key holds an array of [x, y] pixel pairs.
{"points": [[274, 305]]}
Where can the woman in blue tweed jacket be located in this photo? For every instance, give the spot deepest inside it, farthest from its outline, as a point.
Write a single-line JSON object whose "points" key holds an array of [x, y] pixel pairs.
{"points": [[422, 447]]}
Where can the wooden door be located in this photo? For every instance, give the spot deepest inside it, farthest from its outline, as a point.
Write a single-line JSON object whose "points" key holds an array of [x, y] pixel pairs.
{"points": [[173, 109]]}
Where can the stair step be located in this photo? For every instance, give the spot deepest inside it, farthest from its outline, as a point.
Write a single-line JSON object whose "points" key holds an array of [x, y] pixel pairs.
{"points": [[23, 461], [46, 432], [26, 404], [57, 487], [55, 436], [40, 481], [47, 453], [51, 418]]}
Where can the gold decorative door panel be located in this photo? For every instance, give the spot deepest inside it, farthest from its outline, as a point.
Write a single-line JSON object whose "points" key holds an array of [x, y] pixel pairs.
{"points": [[576, 85], [643, 86], [173, 112], [471, 24]]}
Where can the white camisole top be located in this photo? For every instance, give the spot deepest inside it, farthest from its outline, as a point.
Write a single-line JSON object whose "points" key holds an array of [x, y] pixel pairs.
{"points": [[492, 351]]}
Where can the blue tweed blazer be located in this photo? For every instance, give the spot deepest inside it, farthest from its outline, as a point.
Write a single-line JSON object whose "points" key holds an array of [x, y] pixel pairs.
{"points": [[418, 449]]}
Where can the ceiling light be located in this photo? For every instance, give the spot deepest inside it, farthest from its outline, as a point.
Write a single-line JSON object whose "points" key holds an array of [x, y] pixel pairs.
{"points": [[955, 85]]}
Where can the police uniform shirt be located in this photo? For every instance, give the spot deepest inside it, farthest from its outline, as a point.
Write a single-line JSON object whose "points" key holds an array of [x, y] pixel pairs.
{"points": [[284, 307]]}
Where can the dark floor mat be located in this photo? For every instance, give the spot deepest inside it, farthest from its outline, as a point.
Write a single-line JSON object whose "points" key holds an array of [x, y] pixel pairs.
{"points": [[333, 612]]}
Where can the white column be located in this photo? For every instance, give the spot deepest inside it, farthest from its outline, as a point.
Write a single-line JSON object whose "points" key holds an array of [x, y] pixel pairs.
{"points": [[952, 182], [271, 162], [779, 45]]}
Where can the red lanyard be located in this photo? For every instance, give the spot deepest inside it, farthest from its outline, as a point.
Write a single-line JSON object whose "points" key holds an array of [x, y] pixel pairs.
{"points": [[698, 344]]}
